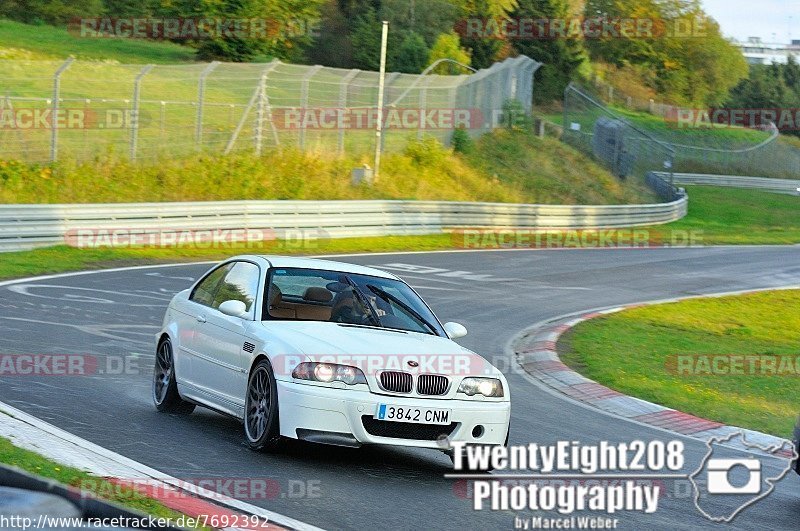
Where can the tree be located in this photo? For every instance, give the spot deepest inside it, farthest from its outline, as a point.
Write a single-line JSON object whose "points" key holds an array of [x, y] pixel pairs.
{"points": [[485, 50], [561, 57], [130, 8], [366, 39], [56, 12], [333, 46], [447, 46], [412, 55], [287, 26], [427, 18], [695, 69]]}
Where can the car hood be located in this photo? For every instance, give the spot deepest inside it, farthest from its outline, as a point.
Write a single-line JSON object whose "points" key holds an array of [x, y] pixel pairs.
{"points": [[376, 349]]}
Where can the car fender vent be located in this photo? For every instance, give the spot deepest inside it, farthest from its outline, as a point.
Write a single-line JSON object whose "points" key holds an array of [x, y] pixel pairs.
{"points": [[248, 347]]}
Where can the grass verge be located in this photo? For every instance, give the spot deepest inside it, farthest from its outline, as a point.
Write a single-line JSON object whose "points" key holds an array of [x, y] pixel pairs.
{"points": [[635, 352], [64, 258], [44, 467], [504, 166], [732, 216], [44, 42]]}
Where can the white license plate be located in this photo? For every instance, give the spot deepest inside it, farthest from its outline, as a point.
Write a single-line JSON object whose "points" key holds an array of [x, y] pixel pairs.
{"points": [[416, 415]]}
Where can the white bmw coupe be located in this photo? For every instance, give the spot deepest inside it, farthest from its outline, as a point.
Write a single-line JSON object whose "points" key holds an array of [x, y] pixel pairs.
{"points": [[325, 352]]}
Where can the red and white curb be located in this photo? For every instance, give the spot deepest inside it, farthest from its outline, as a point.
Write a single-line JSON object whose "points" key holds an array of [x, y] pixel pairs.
{"points": [[30, 433], [535, 352]]}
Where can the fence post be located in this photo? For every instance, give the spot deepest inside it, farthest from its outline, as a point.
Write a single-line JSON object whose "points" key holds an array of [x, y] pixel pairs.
{"points": [[258, 92], [453, 99], [56, 95], [530, 84], [304, 104], [390, 79], [343, 103], [162, 118], [261, 103], [201, 90], [423, 105], [135, 110]]}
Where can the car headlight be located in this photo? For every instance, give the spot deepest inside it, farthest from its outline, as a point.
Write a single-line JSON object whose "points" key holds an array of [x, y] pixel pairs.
{"points": [[329, 372], [484, 386]]}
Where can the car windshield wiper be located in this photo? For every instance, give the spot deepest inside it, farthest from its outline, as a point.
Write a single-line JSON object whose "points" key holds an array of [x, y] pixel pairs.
{"points": [[388, 297], [363, 300]]}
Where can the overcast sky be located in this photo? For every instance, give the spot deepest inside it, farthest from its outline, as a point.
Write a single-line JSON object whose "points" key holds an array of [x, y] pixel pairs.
{"points": [[757, 18]]}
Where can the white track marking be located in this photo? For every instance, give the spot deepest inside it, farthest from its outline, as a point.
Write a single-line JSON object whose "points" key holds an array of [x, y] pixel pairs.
{"points": [[27, 431]]}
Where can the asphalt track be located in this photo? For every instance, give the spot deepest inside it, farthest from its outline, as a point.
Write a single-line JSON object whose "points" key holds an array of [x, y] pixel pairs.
{"points": [[494, 294]]}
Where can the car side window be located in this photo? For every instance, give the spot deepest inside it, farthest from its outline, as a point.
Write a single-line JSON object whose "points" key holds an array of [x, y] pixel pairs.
{"points": [[205, 290], [239, 284]]}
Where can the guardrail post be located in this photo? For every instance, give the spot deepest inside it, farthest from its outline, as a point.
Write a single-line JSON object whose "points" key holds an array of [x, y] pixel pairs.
{"points": [[304, 104], [343, 103], [56, 95], [135, 110], [201, 90]]}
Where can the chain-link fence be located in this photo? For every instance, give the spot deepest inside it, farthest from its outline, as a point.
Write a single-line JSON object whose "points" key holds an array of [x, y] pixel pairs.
{"points": [[77, 110], [702, 148], [627, 150]]}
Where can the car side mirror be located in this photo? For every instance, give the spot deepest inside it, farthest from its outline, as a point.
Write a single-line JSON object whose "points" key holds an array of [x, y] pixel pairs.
{"points": [[454, 330], [233, 308]]}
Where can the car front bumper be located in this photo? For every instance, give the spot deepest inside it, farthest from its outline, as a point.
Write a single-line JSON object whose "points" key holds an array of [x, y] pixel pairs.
{"points": [[330, 414]]}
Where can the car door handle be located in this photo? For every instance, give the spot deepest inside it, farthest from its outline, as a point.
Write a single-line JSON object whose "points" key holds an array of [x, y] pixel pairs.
{"points": [[201, 318]]}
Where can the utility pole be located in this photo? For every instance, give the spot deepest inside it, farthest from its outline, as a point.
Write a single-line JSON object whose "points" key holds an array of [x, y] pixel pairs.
{"points": [[381, 78]]}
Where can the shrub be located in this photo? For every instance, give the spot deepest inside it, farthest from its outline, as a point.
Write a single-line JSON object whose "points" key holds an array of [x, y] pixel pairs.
{"points": [[426, 151], [462, 142]]}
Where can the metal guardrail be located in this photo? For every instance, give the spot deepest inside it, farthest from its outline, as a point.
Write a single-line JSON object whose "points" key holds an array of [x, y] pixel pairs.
{"points": [[781, 186], [29, 226]]}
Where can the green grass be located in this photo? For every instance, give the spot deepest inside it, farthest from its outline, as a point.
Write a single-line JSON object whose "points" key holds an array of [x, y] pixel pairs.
{"points": [[63, 258], [732, 216], [504, 167], [669, 132], [631, 351], [24, 41], [41, 466]]}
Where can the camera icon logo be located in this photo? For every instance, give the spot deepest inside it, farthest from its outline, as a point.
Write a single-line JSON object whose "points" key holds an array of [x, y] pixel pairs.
{"points": [[724, 484], [720, 472]]}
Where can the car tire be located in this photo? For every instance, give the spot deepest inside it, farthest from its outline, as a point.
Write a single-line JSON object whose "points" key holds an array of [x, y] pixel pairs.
{"points": [[165, 386], [261, 422]]}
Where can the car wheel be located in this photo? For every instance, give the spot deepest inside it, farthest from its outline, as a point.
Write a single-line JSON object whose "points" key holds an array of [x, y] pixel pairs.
{"points": [[165, 387], [261, 424]]}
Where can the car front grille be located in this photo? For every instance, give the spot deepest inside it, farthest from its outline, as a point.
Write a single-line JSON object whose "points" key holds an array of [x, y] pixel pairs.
{"points": [[432, 384], [407, 430], [396, 382]]}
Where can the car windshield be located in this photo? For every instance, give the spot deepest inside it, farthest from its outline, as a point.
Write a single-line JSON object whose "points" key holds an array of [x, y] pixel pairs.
{"points": [[320, 295]]}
